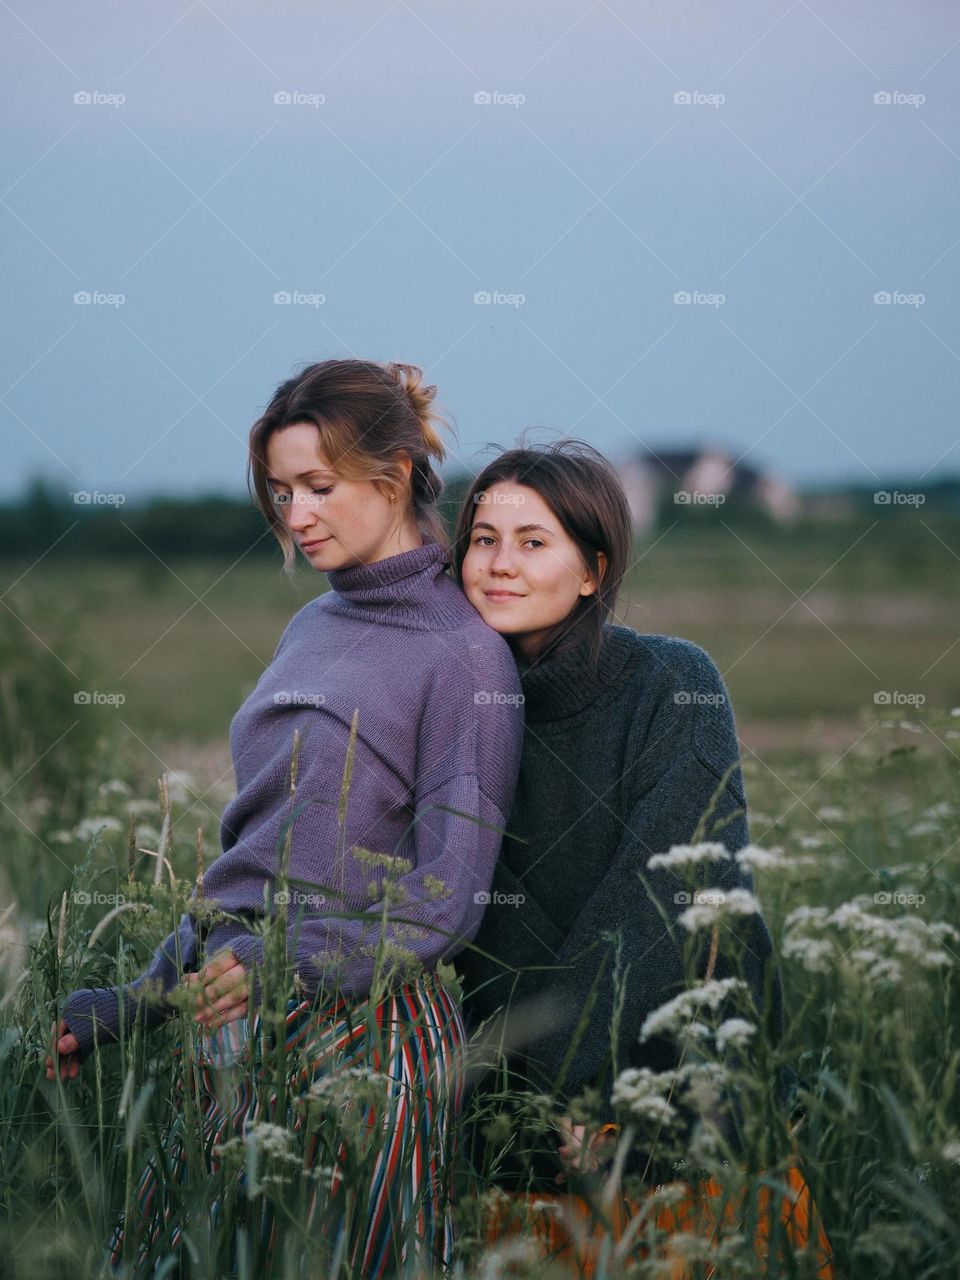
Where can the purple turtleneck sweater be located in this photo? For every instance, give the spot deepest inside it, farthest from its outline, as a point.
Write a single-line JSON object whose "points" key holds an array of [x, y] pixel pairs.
{"points": [[434, 774]]}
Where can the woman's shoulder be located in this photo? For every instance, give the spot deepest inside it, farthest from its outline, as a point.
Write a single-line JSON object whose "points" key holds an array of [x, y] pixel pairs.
{"points": [[659, 659]]}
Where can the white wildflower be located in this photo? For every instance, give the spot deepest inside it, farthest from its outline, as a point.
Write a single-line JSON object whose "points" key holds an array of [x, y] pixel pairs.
{"points": [[810, 842], [952, 1151], [136, 807], [680, 1010], [732, 902], [686, 855], [806, 915], [115, 787], [734, 1031], [640, 1091], [925, 827], [753, 856], [830, 813], [814, 954]]}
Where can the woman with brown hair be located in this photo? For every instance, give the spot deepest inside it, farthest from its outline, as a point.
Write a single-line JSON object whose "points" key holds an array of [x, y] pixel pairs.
{"points": [[630, 749], [393, 667]]}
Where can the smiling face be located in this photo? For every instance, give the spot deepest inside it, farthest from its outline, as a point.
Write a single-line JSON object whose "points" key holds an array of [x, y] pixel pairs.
{"points": [[349, 521], [522, 571]]}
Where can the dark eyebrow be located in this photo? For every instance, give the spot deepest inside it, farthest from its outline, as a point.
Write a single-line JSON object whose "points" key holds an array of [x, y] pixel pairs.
{"points": [[521, 528], [304, 475]]}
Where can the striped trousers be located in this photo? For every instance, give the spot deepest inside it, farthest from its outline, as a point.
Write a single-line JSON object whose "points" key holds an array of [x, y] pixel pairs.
{"points": [[366, 1119]]}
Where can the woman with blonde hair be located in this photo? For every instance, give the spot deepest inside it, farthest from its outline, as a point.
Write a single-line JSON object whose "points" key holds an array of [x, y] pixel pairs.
{"points": [[394, 668]]}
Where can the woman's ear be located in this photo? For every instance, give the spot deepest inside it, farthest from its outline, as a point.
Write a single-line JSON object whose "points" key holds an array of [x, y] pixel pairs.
{"points": [[589, 584]]}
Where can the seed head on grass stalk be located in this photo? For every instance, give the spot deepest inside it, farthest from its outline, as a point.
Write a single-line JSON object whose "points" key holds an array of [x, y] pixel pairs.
{"points": [[163, 786]]}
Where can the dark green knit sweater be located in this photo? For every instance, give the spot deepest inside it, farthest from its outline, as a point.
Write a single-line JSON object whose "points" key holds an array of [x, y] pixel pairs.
{"points": [[618, 763]]}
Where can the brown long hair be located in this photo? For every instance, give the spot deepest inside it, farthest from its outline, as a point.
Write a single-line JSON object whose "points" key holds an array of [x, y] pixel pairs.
{"points": [[367, 415], [582, 489]]}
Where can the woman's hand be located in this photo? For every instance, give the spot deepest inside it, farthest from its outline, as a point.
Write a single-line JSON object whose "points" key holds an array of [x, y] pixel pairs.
{"points": [[221, 990], [65, 1044], [576, 1152]]}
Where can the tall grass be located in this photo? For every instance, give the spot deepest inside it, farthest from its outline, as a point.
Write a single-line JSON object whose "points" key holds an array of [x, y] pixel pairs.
{"points": [[856, 866]]}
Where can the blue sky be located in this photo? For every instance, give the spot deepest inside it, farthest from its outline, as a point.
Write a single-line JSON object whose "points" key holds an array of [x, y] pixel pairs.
{"points": [[583, 196]]}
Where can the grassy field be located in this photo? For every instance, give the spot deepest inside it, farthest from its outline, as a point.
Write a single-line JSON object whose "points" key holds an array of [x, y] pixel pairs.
{"points": [[861, 798]]}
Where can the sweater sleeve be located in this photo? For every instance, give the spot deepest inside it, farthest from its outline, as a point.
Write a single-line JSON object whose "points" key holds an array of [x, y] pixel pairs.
{"points": [[679, 762], [95, 1014], [468, 757]]}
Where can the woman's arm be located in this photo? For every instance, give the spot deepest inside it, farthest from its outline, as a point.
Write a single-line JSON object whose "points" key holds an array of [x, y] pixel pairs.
{"points": [[468, 755], [96, 1013]]}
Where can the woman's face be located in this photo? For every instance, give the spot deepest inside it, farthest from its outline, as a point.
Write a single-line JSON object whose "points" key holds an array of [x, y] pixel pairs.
{"points": [[348, 522], [522, 571]]}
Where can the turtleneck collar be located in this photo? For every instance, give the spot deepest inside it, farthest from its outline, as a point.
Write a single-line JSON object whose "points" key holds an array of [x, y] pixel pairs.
{"points": [[410, 589], [565, 681]]}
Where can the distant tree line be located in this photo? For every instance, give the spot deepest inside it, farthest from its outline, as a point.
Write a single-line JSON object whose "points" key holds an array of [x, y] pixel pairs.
{"points": [[216, 525]]}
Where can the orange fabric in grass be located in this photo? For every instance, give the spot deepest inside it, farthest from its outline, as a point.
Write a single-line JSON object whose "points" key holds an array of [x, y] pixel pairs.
{"points": [[572, 1237]]}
